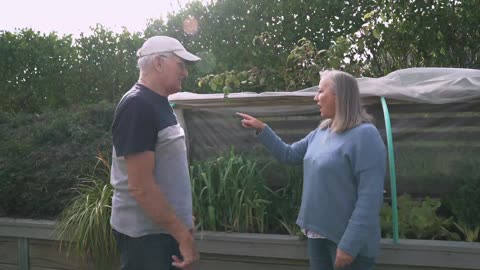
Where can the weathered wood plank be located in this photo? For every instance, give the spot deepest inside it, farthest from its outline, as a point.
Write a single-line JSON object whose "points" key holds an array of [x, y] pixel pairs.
{"points": [[402, 267], [28, 228], [214, 262], [233, 244], [448, 254], [48, 268], [8, 251], [47, 254], [43, 268], [231, 265], [259, 250], [8, 266]]}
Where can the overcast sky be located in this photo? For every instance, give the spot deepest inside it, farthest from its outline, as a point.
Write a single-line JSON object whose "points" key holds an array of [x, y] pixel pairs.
{"points": [[74, 17]]}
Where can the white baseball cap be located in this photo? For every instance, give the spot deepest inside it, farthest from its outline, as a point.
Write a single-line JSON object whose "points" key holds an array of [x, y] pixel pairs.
{"points": [[163, 44]]}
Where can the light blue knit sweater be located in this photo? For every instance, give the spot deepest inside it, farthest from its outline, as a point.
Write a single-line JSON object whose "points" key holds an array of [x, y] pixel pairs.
{"points": [[343, 177]]}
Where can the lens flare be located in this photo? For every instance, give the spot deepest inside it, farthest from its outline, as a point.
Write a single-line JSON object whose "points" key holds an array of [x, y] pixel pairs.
{"points": [[190, 26]]}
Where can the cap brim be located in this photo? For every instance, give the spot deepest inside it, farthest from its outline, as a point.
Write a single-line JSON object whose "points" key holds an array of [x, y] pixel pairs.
{"points": [[187, 56]]}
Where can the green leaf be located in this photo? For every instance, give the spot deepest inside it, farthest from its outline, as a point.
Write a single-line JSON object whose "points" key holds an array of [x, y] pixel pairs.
{"points": [[368, 15], [376, 33], [227, 89], [213, 86], [335, 62]]}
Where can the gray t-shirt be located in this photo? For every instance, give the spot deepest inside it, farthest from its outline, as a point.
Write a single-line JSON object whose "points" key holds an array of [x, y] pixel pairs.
{"points": [[144, 121]]}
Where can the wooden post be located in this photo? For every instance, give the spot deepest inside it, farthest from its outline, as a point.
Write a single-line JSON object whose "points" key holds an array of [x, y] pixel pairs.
{"points": [[23, 256]]}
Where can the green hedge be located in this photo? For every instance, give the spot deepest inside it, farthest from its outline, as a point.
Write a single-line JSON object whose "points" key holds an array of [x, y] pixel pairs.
{"points": [[40, 71], [43, 156]]}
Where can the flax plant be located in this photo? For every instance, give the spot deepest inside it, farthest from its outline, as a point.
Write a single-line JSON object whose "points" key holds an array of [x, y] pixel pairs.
{"points": [[84, 225], [470, 233]]}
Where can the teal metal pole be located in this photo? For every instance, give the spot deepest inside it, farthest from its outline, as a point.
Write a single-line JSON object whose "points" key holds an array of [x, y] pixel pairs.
{"points": [[391, 160]]}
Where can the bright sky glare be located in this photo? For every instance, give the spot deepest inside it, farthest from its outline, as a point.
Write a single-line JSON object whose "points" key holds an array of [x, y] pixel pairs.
{"points": [[74, 17]]}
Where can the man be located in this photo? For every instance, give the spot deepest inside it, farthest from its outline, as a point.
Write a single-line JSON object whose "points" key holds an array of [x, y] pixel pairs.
{"points": [[152, 202]]}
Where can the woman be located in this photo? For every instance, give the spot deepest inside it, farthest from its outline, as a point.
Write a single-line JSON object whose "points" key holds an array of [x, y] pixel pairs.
{"points": [[344, 164]]}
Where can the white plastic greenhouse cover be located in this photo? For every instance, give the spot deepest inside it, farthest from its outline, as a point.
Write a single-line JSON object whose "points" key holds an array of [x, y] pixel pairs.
{"points": [[425, 85]]}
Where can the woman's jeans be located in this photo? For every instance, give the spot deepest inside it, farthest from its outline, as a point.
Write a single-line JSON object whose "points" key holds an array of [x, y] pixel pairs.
{"points": [[322, 253]]}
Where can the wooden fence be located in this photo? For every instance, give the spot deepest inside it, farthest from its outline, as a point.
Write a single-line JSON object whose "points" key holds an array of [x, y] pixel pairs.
{"points": [[32, 245]]}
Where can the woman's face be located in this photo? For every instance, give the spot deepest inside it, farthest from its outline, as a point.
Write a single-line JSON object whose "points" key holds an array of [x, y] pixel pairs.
{"points": [[326, 99]]}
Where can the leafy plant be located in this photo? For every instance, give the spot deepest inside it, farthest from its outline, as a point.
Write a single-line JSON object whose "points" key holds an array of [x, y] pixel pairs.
{"points": [[252, 80], [84, 225], [465, 201], [417, 219]]}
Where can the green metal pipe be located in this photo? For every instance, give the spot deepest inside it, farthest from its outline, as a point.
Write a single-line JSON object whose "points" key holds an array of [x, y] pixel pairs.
{"points": [[391, 164]]}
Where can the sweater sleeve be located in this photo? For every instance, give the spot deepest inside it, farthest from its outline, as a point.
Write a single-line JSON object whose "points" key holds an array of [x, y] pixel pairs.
{"points": [[369, 166], [285, 153]]}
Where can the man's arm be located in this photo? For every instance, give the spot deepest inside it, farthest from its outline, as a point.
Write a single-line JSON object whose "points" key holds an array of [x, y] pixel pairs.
{"points": [[146, 192]]}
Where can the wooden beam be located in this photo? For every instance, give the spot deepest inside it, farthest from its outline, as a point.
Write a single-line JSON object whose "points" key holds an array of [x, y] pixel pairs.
{"points": [[23, 254]]}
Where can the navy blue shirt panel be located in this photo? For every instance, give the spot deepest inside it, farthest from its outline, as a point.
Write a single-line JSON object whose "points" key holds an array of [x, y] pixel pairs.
{"points": [[139, 116]]}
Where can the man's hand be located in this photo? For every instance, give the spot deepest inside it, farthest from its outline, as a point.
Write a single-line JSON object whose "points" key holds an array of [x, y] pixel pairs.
{"points": [[342, 259], [189, 253]]}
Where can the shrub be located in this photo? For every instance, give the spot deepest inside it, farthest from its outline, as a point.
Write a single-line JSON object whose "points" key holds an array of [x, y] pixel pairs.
{"points": [[43, 155], [417, 219], [465, 203]]}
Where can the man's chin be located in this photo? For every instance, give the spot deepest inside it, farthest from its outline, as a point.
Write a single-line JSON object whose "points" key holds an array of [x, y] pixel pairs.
{"points": [[175, 90]]}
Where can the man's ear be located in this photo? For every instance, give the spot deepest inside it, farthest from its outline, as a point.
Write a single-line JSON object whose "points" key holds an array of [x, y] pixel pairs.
{"points": [[158, 63]]}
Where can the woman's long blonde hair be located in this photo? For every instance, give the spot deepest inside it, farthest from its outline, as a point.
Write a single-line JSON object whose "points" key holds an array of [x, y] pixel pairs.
{"points": [[349, 112]]}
